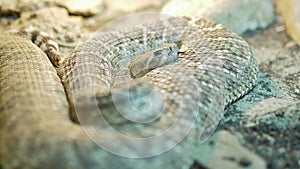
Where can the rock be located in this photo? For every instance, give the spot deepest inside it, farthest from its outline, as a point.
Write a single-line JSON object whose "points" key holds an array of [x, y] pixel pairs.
{"points": [[75, 7], [264, 108], [131, 6], [224, 151], [290, 10], [265, 111], [56, 22], [275, 135], [83, 8], [266, 125], [239, 16], [114, 10], [290, 45], [278, 59], [14, 7], [284, 118]]}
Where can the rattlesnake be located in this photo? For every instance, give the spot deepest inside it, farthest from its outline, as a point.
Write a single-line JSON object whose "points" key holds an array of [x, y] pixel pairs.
{"points": [[212, 68]]}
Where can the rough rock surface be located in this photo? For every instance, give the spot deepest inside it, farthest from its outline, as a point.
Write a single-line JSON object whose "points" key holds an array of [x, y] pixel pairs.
{"points": [[266, 122], [290, 10], [239, 16], [224, 151]]}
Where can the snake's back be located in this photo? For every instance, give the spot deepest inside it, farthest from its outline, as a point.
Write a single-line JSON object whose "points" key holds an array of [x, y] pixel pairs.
{"points": [[213, 61], [214, 68]]}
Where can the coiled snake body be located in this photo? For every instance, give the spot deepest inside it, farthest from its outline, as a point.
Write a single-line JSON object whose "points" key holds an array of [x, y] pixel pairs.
{"points": [[212, 68]]}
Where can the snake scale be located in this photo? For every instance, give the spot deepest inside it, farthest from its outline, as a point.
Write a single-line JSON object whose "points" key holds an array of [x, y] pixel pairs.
{"points": [[210, 68]]}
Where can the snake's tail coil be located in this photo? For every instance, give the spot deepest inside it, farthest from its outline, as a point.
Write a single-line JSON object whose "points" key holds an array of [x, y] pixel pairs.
{"points": [[44, 41], [35, 128], [34, 111]]}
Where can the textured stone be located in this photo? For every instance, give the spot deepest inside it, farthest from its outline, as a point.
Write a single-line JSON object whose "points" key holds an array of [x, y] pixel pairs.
{"points": [[131, 6], [224, 151], [14, 7], [290, 10], [75, 7], [83, 8], [117, 9], [237, 15], [268, 105], [275, 137], [67, 30], [264, 119], [280, 62]]}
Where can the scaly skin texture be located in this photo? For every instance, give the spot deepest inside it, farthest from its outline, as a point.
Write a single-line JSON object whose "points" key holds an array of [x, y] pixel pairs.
{"points": [[214, 68]]}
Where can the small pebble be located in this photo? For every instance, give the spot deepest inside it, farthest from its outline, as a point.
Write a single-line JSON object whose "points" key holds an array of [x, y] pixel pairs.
{"points": [[290, 45], [280, 28], [244, 162]]}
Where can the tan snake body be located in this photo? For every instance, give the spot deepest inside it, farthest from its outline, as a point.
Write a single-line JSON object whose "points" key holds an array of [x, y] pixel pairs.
{"points": [[214, 68]]}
